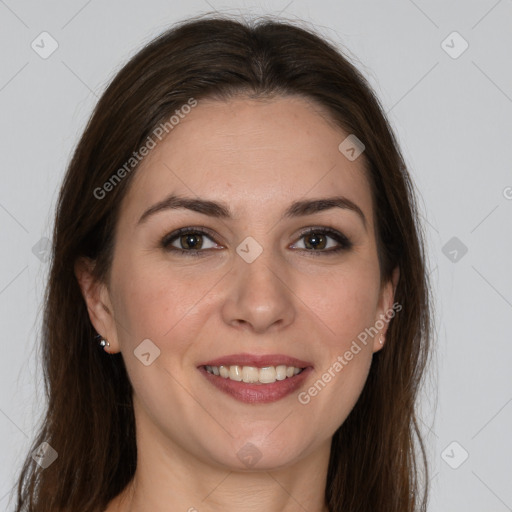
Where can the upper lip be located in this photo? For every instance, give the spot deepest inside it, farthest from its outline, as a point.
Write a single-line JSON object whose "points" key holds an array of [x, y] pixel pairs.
{"points": [[260, 361]]}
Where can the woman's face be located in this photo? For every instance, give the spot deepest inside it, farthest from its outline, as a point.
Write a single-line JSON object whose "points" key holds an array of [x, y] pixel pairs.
{"points": [[258, 292]]}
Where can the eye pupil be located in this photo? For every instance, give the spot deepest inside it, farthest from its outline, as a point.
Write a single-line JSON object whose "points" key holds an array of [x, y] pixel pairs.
{"points": [[316, 241], [191, 241]]}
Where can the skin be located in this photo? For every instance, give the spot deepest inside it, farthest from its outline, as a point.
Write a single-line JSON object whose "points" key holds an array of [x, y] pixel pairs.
{"points": [[258, 157]]}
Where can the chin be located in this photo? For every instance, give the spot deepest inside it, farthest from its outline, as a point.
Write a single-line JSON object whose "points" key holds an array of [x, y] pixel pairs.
{"points": [[261, 454]]}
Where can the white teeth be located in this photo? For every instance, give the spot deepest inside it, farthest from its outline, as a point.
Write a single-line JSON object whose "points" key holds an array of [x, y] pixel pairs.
{"points": [[267, 375], [252, 374], [235, 373], [281, 372]]}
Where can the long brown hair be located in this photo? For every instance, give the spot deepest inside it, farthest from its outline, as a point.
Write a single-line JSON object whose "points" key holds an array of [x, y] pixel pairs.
{"points": [[89, 419]]}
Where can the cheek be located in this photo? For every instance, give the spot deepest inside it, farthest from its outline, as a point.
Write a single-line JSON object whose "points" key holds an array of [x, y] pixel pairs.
{"points": [[346, 304], [167, 306], [152, 300]]}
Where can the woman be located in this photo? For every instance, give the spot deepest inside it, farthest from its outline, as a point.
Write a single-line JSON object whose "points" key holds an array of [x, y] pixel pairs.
{"points": [[237, 315]]}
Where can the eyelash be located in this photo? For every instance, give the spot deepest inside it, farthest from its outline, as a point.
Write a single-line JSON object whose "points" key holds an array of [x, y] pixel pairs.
{"points": [[344, 243]]}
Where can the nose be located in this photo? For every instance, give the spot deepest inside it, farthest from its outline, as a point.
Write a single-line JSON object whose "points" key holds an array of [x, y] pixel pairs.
{"points": [[260, 296]]}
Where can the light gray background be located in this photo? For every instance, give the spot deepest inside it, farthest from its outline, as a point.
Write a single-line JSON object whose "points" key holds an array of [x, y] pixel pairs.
{"points": [[453, 117]]}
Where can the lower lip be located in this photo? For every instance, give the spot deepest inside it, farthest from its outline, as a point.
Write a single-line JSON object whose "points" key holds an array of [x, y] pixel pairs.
{"points": [[258, 393]]}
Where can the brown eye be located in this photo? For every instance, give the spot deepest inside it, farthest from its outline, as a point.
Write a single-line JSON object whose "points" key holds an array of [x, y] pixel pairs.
{"points": [[191, 241], [315, 241], [188, 241], [325, 241]]}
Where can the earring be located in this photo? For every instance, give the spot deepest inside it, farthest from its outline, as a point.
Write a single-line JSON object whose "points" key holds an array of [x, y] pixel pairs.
{"points": [[103, 342], [381, 340]]}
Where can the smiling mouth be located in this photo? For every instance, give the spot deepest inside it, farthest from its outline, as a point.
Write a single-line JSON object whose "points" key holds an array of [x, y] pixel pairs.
{"points": [[254, 374]]}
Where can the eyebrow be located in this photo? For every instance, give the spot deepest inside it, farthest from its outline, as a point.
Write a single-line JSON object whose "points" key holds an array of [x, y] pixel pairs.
{"points": [[221, 210]]}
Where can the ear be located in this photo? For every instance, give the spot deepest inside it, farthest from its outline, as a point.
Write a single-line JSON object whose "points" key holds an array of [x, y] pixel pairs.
{"points": [[97, 299], [385, 309]]}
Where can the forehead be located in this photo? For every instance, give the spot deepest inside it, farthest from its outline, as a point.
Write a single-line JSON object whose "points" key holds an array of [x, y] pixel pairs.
{"points": [[253, 154]]}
